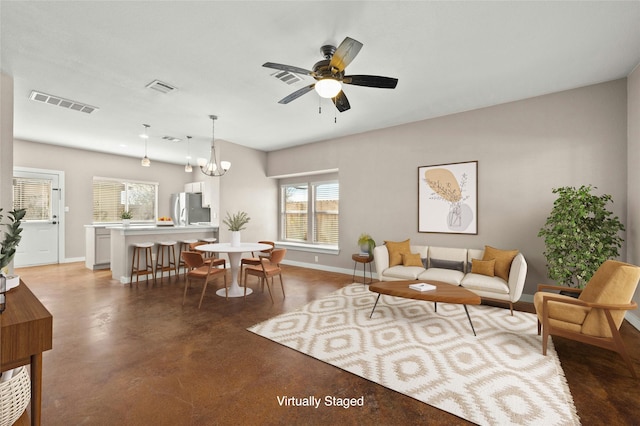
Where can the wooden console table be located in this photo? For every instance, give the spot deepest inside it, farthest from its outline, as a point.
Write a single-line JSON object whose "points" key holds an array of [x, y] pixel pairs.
{"points": [[27, 331]]}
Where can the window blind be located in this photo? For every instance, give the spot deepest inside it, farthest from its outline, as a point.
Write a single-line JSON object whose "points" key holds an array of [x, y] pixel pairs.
{"points": [[34, 195], [111, 197]]}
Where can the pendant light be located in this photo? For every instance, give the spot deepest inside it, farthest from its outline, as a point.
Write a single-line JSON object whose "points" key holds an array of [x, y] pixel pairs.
{"points": [[188, 168], [145, 162], [212, 167]]}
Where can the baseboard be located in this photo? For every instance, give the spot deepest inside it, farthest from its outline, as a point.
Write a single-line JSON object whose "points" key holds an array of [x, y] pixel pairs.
{"points": [[321, 267], [634, 319], [72, 259]]}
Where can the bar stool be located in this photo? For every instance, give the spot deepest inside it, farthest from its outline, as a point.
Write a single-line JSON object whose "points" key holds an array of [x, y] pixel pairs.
{"points": [[170, 248], [208, 240], [184, 245], [138, 250]]}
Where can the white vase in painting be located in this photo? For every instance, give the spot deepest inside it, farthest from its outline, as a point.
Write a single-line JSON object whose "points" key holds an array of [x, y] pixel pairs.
{"points": [[235, 238]]}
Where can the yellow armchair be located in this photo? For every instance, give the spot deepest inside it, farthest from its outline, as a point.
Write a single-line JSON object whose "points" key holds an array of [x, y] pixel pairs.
{"points": [[596, 315]]}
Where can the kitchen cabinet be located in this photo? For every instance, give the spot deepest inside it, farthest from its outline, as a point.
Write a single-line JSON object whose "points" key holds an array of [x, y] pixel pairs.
{"points": [[97, 247], [210, 190]]}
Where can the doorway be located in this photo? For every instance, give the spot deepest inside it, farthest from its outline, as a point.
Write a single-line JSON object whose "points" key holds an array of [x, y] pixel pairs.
{"points": [[40, 192]]}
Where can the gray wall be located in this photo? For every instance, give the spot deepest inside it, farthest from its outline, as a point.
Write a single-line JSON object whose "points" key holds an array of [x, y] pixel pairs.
{"points": [[523, 149], [633, 179]]}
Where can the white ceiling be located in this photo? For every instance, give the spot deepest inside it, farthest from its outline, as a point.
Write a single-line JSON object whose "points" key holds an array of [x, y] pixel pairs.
{"points": [[448, 56]]}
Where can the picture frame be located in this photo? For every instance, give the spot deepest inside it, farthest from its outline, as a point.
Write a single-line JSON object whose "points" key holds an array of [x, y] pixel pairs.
{"points": [[448, 198]]}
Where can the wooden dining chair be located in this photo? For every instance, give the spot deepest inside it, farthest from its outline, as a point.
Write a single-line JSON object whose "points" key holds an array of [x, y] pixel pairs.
{"points": [[269, 267], [209, 257], [255, 258], [200, 270]]}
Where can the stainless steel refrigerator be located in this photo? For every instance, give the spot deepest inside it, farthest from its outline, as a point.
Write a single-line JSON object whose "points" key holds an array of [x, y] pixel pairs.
{"points": [[186, 208]]}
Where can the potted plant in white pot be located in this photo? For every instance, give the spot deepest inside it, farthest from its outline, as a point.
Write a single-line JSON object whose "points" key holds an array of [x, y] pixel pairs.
{"points": [[579, 235], [366, 244], [236, 222], [126, 217], [10, 243]]}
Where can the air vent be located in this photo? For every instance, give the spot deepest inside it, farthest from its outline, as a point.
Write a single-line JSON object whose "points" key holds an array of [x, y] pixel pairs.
{"points": [[61, 102], [161, 86], [171, 139], [286, 76]]}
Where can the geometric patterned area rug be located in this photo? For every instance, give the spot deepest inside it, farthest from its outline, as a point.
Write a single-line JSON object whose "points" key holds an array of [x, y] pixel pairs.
{"points": [[499, 377]]}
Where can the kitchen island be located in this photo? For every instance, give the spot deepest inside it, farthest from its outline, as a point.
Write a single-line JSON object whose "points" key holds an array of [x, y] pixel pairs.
{"points": [[123, 238]]}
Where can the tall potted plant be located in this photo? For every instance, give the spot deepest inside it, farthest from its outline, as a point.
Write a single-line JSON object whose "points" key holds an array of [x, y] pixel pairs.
{"points": [[236, 222], [579, 235]]}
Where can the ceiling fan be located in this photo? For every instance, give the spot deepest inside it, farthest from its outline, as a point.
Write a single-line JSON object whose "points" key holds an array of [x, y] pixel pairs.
{"points": [[330, 77]]}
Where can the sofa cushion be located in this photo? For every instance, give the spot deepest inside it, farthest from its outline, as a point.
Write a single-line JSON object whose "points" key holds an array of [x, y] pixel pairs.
{"points": [[481, 282], [403, 272], [447, 264], [503, 260], [396, 248], [448, 276], [483, 267], [411, 259]]}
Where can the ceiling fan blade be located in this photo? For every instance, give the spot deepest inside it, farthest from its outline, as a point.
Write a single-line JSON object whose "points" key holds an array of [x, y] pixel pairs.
{"points": [[295, 95], [289, 68], [345, 53], [371, 81], [341, 102]]}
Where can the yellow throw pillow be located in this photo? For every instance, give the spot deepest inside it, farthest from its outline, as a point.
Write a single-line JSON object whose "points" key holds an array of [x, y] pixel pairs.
{"points": [[484, 267], [395, 251], [411, 259], [503, 260]]}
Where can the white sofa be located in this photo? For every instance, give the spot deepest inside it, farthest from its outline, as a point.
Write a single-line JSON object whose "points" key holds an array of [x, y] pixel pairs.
{"points": [[453, 266]]}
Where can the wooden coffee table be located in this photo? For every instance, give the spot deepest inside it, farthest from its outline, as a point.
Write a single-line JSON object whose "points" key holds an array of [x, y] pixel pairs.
{"points": [[445, 293]]}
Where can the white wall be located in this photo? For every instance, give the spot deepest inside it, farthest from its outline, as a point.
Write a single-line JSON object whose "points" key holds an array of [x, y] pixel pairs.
{"points": [[245, 187], [6, 145], [523, 149], [633, 179]]}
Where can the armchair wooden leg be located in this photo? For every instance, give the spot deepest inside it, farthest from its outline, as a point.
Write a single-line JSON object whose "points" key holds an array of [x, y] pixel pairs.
{"points": [[619, 344], [282, 285], [269, 287], [539, 327], [186, 285]]}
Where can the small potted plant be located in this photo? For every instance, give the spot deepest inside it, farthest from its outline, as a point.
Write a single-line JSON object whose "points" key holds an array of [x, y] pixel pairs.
{"points": [[236, 222], [366, 244], [126, 217], [10, 243]]}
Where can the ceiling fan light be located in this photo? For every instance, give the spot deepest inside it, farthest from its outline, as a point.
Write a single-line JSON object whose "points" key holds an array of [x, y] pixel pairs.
{"points": [[328, 88]]}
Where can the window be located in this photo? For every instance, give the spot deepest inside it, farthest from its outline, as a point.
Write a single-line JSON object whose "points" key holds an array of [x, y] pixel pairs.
{"points": [[112, 196], [310, 212], [33, 195]]}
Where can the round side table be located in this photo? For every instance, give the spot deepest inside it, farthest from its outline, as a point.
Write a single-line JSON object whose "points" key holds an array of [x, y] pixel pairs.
{"points": [[364, 259]]}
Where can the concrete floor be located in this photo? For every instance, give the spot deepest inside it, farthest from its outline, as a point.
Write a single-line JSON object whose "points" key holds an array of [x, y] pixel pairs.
{"points": [[136, 356]]}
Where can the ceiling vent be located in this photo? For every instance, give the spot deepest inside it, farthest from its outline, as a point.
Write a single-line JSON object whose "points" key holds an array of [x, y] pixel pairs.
{"points": [[61, 102], [160, 86], [171, 139], [286, 76]]}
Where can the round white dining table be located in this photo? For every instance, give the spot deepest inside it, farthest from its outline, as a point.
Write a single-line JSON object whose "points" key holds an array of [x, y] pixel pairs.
{"points": [[235, 255]]}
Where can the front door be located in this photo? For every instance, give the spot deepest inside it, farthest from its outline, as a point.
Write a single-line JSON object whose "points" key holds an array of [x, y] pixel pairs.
{"points": [[39, 193]]}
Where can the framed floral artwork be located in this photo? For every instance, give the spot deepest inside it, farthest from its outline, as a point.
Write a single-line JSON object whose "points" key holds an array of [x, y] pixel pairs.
{"points": [[448, 198]]}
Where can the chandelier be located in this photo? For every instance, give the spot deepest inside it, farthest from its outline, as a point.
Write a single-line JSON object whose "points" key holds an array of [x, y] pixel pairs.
{"points": [[212, 167], [145, 162]]}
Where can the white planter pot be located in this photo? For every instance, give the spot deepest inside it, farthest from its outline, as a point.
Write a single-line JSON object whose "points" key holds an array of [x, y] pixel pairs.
{"points": [[12, 281], [235, 238]]}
